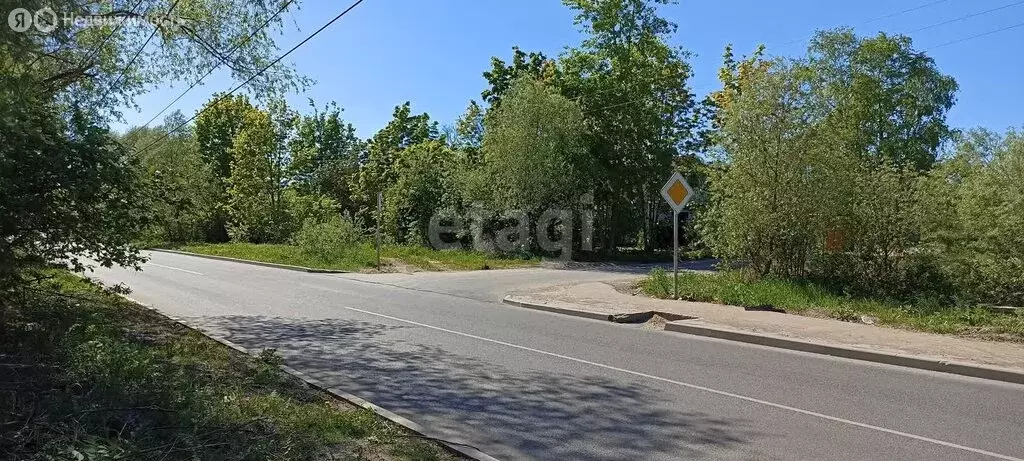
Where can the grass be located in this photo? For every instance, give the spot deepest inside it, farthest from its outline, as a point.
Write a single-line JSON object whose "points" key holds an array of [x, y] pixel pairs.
{"points": [[806, 298], [88, 375], [363, 257]]}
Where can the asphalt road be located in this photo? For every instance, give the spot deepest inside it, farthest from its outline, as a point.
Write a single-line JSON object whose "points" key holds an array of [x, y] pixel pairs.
{"points": [[441, 350]]}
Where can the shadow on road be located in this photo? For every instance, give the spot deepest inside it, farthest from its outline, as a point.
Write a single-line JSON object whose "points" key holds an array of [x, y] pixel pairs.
{"points": [[504, 411]]}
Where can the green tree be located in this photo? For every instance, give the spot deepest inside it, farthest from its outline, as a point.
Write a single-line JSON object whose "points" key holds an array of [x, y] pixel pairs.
{"points": [[67, 191], [766, 202], [886, 99], [95, 67], [377, 171], [424, 184], [217, 124], [186, 193], [255, 208], [632, 87], [535, 150], [975, 229], [502, 76], [325, 156]]}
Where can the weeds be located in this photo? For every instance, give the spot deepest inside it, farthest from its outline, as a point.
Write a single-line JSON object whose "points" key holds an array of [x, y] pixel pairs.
{"points": [[91, 376], [363, 256], [806, 298]]}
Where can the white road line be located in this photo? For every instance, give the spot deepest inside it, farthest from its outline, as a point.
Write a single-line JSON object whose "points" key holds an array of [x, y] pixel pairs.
{"points": [[174, 268], [702, 388]]}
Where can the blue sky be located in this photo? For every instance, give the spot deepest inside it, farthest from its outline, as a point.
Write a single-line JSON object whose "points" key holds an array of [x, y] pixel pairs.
{"points": [[432, 53]]}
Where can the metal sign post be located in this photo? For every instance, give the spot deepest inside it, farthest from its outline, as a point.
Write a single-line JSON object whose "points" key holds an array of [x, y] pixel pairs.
{"points": [[677, 193]]}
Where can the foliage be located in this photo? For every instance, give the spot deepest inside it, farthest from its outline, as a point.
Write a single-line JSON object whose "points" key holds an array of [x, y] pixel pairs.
{"points": [[885, 99], [424, 184], [768, 202], [186, 192], [535, 150], [67, 191], [325, 155], [217, 124], [632, 88], [255, 206], [92, 376], [327, 240], [821, 164], [806, 298], [377, 171], [978, 194], [95, 68]]}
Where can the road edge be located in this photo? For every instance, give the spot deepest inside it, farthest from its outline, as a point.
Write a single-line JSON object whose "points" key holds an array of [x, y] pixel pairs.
{"points": [[762, 339], [557, 310], [462, 449], [290, 267]]}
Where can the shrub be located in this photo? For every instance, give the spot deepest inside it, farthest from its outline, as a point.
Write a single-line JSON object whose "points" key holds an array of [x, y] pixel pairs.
{"points": [[658, 284], [327, 240]]}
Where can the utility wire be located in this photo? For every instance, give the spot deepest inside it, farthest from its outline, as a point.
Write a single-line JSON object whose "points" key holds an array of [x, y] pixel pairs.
{"points": [[143, 47], [253, 77], [99, 48], [972, 37], [228, 54], [879, 18], [961, 18]]}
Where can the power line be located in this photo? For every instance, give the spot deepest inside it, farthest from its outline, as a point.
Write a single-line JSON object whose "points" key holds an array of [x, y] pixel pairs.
{"points": [[961, 18], [99, 48], [908, 10], [229, 53], [879, 18], [951, 42], [143, 47], [253, 77]]}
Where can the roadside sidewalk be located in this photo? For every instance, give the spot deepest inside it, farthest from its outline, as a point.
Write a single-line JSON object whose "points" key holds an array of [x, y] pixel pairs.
{"points": [[826, 336]]}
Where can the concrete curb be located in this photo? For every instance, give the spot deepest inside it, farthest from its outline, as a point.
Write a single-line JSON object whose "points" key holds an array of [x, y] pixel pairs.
{"points": [[762, 339], [558, 310], [456, 447], [255, 263]]}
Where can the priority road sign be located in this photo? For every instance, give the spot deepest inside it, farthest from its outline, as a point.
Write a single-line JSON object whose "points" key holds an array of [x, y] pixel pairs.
{"points": [[677, 193]]}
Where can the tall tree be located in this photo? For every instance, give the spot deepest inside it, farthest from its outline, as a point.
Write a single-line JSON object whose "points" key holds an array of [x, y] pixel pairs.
{"points": [[217, 124], [889, 99], [377, 171], [325, 155], [632, 86], [501, 76], [535, 150], [186, 194], [255, 207]]}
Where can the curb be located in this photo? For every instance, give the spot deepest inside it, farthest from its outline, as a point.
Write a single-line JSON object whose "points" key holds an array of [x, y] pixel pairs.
{"points": [[557, 310], [255, 263], [780, 342], [462, 449]]}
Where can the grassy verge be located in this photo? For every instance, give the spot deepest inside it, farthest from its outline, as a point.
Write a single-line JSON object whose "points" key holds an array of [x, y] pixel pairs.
{"points": [[88, 375], [806, 298], [363, 257]]}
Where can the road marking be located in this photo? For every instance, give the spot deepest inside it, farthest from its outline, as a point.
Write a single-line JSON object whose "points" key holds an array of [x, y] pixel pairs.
{"points": [[702, 388], [174, 268]]}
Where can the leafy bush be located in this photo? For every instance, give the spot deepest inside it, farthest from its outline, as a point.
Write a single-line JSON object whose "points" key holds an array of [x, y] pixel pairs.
{"points": [[327, 240], [657, 284]]}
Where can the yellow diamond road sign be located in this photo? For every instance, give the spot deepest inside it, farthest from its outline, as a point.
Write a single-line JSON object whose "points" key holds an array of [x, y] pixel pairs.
{"points": [[677, 192]]}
